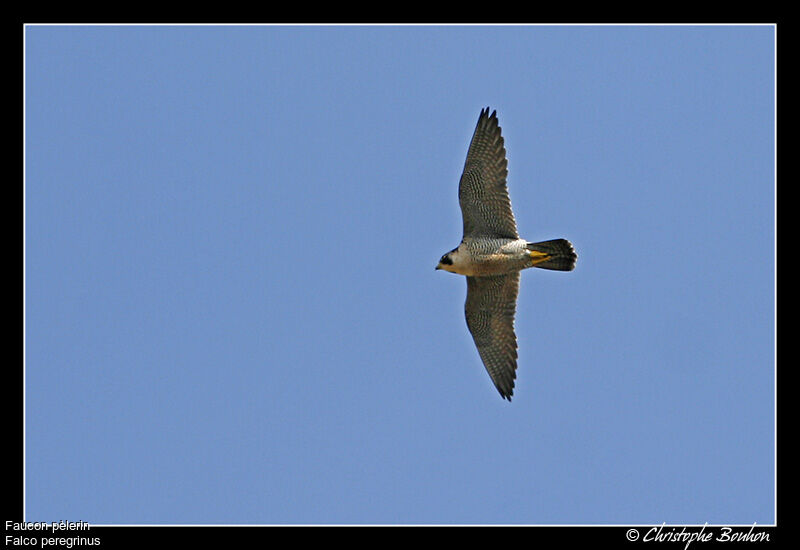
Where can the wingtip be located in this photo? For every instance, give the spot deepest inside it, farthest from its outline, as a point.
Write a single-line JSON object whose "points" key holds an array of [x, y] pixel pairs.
{"points": [[506, 395], [488, 120]]}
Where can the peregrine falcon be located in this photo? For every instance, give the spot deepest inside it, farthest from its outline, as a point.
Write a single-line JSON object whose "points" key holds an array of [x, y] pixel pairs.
{"points": [[491, 254]]}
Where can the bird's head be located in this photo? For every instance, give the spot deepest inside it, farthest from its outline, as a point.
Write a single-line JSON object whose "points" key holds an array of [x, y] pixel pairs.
{"points": [[446, 262]]}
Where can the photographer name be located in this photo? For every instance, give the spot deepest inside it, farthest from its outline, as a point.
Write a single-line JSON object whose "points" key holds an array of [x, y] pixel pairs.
{"points": [[725, 534]]}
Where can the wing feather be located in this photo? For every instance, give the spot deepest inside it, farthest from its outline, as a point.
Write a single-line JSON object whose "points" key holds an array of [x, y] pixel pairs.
{"points": [[490, 308], [482, 191]]}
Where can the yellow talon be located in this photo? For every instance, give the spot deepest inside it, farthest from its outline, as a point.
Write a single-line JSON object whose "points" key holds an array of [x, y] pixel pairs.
{"points": [[538, 257]]}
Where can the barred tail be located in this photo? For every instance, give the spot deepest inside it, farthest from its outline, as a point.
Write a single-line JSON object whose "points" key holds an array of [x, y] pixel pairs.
{"points": [[557, 254]]}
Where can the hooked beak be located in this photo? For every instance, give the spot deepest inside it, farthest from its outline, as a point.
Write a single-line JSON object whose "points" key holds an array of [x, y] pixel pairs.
{"points": [[438, 267]]}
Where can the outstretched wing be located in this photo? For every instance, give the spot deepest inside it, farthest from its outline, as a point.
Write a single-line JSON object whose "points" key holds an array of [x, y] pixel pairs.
{"points": [[482, 191], [490, 308]]}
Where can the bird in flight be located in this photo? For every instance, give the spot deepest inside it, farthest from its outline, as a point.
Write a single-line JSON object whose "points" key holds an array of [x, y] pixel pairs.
{"points": [[491, 254]]}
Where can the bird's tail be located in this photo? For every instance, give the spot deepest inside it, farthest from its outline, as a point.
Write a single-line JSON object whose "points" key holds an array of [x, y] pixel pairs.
{"points": [[557, 254]]}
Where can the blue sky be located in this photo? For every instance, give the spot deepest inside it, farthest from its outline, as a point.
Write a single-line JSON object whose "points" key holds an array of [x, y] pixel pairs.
{"points": [[232, 314]]}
